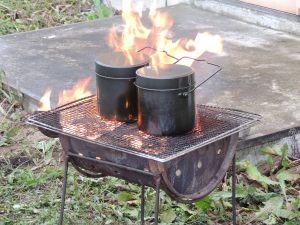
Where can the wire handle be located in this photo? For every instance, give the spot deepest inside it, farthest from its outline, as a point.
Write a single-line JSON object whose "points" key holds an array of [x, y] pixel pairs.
{"points": [[185, 94]]}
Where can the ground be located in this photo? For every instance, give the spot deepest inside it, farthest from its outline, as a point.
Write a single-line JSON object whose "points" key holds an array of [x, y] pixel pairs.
{"points": [[31, 179]]}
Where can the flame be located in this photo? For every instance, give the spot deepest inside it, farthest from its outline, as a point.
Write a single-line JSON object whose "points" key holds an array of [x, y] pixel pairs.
{"points": [[78, 91], [135, 36], [44, 104]]}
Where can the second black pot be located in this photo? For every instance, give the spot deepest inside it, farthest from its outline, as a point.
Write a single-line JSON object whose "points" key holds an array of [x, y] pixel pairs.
{"points": [[163, 107]]}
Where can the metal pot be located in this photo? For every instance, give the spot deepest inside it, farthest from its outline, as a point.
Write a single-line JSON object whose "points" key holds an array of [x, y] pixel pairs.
{"points": [[116, 93], [166, 102]]}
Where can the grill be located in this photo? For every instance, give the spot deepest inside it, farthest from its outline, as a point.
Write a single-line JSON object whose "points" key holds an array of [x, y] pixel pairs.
{"points": [[187, 167], [80, 120]]}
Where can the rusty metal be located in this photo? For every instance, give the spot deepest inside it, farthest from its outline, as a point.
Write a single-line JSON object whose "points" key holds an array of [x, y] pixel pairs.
{"points": [[81, 121], [64, 188], [142, 205], [157, 199], [233, 199], [186, 167]]}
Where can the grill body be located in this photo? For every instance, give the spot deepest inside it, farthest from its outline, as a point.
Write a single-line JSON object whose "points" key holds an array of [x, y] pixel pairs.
{"points": [[187, 166], [186, 178]]}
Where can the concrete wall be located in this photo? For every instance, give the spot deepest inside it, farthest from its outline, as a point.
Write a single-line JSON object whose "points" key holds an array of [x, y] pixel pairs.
{"points": [[252, 14], [290, 6]]}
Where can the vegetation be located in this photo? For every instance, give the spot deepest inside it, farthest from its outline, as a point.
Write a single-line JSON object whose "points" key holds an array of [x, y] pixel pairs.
{"points": [[31, 164], [26, 15]]}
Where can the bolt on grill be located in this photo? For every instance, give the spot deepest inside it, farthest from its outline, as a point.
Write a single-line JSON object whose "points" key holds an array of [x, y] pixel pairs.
{"points": [[81, 120]]}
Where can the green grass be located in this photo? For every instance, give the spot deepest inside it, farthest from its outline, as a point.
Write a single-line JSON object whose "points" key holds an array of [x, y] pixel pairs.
{"points": [[26, 15]]}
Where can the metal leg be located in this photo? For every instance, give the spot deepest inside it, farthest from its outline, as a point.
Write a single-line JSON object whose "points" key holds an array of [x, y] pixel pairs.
{"points": [[143, 205], [156, 212], [233, 191], [63, 197]]}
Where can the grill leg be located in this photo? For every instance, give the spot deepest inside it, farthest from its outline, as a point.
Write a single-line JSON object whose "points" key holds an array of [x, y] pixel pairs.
{"points": [[63, 197], [156, 212], [143, 205], [233, 191]]}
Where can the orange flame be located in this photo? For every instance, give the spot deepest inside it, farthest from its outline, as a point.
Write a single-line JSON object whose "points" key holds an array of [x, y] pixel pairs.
{"points": [[78, 91], [44, 104], [135, 36]]}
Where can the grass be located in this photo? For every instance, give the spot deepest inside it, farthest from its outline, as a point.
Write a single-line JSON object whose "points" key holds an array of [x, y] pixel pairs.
{"points": [[26, 15], [31, 164]]}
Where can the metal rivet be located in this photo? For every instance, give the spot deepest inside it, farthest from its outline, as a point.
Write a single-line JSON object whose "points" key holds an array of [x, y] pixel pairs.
{"points": [[178, 173], [219, 151], [199, 164]]}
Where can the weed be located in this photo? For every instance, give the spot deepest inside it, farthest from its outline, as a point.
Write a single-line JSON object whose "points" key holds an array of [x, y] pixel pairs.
{"points": [[17, 16]]}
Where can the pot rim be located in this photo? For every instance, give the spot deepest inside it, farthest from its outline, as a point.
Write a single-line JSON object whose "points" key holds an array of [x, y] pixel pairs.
{"points": [[121, 67], [143, 63], [164, 90], [186, 74], [115, 78]]}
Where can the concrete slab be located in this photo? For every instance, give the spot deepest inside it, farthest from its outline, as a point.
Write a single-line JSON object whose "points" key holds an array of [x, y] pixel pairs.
{"points": [[253, 14], [261, 66]]}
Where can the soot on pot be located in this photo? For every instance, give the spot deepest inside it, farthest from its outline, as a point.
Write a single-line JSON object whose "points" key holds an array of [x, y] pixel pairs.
{"points": [[162, 109], [115, 77]]}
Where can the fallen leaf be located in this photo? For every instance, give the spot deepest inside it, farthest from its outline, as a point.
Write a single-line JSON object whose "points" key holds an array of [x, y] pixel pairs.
{"points": [[168, 216]]}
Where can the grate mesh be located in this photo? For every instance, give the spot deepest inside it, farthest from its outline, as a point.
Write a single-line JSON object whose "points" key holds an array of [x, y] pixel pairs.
{"points": [[80, 119]]}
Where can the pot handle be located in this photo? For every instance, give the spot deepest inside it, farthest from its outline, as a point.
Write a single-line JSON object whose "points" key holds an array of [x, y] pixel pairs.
{"points": [[185, 94]]}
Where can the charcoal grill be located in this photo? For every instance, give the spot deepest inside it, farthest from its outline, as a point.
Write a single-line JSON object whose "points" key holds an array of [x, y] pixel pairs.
{"points": [[187, 167]]}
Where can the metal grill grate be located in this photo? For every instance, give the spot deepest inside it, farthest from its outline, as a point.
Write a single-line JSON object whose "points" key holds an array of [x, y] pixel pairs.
{"points": [[80, 120]]}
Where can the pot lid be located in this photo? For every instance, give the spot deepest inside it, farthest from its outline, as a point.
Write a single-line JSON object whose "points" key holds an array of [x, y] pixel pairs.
{"points": [[117, 64], [172, 76]]}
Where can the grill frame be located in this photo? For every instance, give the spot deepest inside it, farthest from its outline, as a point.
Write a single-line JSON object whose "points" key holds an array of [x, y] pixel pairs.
{"points": [[242, 120], [146, 170]]}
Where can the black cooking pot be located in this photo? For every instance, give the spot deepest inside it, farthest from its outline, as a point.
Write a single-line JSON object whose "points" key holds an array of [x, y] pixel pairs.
{"points": [[166, 101], [115, 77]]}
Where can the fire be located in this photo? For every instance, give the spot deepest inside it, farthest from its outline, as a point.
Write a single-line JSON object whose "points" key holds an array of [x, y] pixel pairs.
{"points": [[78, 91], [45, 101], [135, 36]]}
